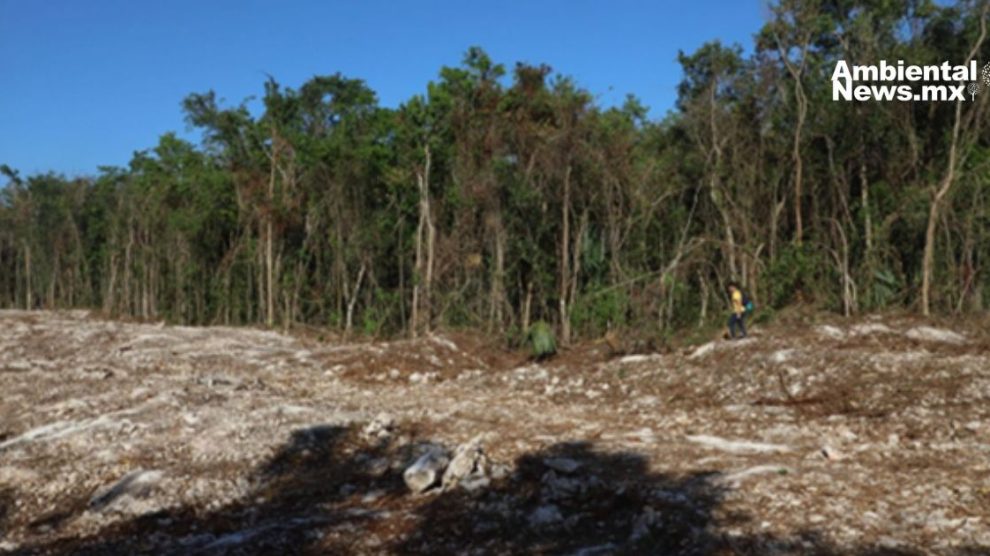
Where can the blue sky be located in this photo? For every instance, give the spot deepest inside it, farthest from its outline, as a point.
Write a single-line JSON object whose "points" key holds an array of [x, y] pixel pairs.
{"points": [[86, 83]]}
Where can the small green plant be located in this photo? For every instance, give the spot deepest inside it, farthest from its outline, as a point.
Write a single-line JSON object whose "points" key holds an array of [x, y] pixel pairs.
{"points": [[593, 313], [541, 340], [883, 289]]}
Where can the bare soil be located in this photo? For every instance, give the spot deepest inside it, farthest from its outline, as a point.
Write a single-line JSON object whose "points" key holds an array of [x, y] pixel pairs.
{"points": [[863, 436]]}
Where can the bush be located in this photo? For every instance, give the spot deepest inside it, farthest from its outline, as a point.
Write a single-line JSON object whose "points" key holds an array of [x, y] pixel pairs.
{"points": [[593, 313], [883, 289], [792, 272], [542, 342]]}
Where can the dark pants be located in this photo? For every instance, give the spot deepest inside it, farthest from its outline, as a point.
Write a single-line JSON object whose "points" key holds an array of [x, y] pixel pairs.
{"points": [[737, 321]]}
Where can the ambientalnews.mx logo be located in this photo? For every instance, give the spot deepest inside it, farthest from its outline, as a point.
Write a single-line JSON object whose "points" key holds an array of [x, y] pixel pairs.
{"points": [[943, 82]]}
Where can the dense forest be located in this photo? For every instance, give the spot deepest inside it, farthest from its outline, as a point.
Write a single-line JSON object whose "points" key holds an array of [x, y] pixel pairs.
{"points": [[502, 197]]}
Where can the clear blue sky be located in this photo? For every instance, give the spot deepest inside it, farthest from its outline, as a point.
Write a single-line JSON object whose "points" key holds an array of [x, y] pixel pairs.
{"points": [[85, 83]]}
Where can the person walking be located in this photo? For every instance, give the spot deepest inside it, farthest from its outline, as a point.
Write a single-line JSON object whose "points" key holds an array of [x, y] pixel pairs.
{"points": [[737, 320]]}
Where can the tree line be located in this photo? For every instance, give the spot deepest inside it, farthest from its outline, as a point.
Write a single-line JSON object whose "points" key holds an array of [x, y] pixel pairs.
{"points": [[499, 198]]}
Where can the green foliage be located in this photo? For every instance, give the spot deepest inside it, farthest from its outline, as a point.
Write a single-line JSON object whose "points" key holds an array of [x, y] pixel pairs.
{"points": [[884, 289], [497, 196], [377, 315], [542, 341], [791, 273], [593, 313]]}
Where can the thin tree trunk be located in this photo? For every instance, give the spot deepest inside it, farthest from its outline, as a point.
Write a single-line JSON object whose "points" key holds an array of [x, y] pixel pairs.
{"points": [[527, 307], [260, 264], [848, 295], [717, 195], [565, 321], [431, 236], [799, 162], [128, 263], [353, 300], [703, 312], [425, 232], [402, 277], [417, 277], [576, 255], [865, 200], [802, 109], [934, 212], [497, 296], [269, 230], [52, 281], [28, 296]]}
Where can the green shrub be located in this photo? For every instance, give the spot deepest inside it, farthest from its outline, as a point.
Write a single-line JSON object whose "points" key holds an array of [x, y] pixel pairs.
{"points": [[883, 289], [593, 313], [541, 340], [793, 271]]}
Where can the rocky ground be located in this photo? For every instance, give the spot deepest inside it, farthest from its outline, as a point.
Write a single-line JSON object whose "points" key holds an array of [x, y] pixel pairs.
{"points": [[869, 436]]}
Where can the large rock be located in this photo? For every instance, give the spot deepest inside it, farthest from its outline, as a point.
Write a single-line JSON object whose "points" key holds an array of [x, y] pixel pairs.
{"points": [[426, 471], [467, 466]]}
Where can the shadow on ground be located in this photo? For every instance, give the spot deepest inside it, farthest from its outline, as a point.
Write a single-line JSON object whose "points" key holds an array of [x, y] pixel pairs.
{"points": [[329, 491], [611, 502], [6, 506]]}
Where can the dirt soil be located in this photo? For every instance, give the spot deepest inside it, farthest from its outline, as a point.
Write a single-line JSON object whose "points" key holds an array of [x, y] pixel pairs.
{"points": [[866, 436]]}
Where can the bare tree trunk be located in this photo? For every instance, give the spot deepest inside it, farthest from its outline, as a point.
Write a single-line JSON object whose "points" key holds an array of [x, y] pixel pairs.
{"points": [[339, 266], [146, 291], [527, 307], [865, 200], [425, 232], [108, 301], [414, 310], [703, 313], [796, 72], [565, 321], [269, 230], [848, 291], [53, 279], [28, 296], [715, 188], [228, 301], [431, 236], [497, 296], [662, 304], [576, 254], [353, 301], [128, 263], [775, 212], [933, 214], [402, 276], [799, 161], [934, 211], [259, 285]]}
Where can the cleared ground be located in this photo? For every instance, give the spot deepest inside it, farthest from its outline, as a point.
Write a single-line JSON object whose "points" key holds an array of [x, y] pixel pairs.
{"points": [[867, 436]]}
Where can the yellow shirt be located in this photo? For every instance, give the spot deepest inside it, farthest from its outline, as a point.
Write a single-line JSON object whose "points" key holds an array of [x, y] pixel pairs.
{"points": [[737, 304]]}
